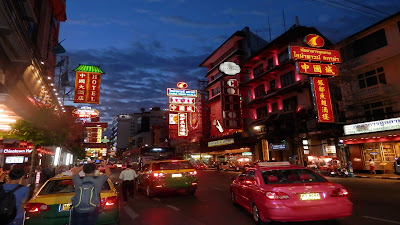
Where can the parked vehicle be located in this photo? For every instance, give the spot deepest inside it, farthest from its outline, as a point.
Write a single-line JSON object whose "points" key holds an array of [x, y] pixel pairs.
{"points": [[397, 166]]}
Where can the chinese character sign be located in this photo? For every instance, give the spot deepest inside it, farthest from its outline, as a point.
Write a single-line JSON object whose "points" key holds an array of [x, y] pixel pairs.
{"points": [[87, 84], [322, 97], [182, 124], [316, 68]]}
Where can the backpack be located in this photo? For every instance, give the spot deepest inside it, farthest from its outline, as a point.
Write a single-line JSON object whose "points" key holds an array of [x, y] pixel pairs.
{"points": [[8, 204], [86, 200]]}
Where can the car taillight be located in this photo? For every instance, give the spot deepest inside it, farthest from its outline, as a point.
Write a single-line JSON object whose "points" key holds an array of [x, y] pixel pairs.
{"points": [[159, 174], [109, 201], [193, 172], [339, 192], [36, 207], [277, 195]]}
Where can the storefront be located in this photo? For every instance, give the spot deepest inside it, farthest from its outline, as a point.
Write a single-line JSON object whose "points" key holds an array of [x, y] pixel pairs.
{"points": [[377, 140]]}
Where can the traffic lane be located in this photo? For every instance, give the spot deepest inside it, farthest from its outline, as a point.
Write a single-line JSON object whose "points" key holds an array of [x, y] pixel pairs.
{"points": [[375, 200]]}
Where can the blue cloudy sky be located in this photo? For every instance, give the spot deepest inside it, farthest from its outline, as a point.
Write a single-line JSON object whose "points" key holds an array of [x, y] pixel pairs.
{"points": [[145, 46]]}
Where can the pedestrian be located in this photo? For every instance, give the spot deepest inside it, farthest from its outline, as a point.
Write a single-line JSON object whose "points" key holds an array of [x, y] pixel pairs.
{"points": [[372, 166], [3, 176], [20, 192], [128, 177], [86, 202]]}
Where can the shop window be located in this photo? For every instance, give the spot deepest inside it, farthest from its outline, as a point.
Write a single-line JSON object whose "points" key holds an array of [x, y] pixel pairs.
{"points": [[378, 111], [258, 70], [283, 56], [287, 79], [259, 91], [290, 104], [262, 112], [369, 43], [371, 78]]}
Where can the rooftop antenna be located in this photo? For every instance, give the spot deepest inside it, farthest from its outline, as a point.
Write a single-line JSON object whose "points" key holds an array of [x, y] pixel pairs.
{"points": [[269, 30], [297, 21], [284, 22]]}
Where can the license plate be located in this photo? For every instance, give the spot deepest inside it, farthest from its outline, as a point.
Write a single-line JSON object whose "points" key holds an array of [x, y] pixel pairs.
{"points": [[176, 175], [310, 196], [65, 207]]}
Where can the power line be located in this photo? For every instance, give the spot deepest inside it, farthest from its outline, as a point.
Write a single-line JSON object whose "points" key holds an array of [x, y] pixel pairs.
{"points": [[365, 6], [335, 2], [348, 10]]}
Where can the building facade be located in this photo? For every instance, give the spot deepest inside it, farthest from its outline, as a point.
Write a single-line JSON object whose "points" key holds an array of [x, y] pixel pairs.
{"points": [[371, 98], [29, 33]]}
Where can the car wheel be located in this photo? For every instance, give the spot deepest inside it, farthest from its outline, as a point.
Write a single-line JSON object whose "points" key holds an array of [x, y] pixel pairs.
{"points": [[256, 215], [149, 192], [233, 198]]}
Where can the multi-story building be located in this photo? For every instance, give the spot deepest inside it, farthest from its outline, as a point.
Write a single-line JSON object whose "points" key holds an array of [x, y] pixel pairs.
{"points": [[278, 105], [29, 33], [122, 130], [371, 98], [225, 141]]}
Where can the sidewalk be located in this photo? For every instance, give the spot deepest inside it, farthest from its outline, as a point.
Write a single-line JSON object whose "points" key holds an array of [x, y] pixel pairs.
{"points": [[391, 176]]}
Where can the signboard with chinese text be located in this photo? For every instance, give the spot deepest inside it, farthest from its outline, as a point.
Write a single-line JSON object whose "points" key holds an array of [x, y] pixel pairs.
{"points": [[87, 84], [94, 134], [322, 98], [182, 124], [85, 112], [316, 68], [181, 108], [312, 54], [221, 142], [181, 92]]}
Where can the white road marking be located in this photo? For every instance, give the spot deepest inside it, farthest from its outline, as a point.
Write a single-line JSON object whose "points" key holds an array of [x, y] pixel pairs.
{"points": [[173, 207], [374, 218], [157, 199], [130, 212]]}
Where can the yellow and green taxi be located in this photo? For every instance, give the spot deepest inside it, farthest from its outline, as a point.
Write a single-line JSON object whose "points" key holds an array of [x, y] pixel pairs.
{"points": [[167, 175], [51, 204]]}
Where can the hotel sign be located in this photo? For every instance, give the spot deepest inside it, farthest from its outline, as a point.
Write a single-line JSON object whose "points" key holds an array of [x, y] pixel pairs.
{"points": [[316, 68], [181, 92], [312, 54], [374, 126], [221, 142], [322, 98], [182, 124], [87, 84]]}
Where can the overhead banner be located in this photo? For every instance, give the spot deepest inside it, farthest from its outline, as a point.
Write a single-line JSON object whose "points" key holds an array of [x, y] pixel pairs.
{"points": [[316, 68], [322, 98], [313, 54], [87, 84]]}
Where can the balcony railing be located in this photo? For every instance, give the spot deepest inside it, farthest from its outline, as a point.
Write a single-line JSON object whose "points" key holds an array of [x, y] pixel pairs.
{"points": [[373, 91]]}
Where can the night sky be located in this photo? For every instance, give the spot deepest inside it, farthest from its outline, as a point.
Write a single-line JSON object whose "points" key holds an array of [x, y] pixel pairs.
{"points": [[145, 46]]}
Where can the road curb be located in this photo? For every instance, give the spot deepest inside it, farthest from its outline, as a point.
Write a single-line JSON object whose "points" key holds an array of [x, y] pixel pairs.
{"points": [[378, 177]]}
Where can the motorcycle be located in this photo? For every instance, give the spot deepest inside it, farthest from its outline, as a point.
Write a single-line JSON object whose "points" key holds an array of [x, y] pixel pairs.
{"points": [[342, 172]]}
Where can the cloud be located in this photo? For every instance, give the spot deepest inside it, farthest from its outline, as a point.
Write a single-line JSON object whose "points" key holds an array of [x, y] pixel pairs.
{"points": [[138, 76], [181, 21]]}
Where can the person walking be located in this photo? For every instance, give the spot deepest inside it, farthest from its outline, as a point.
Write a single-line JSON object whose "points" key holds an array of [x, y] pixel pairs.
{"points": [[128, 177], [372, 166], [86, 202], [20, 192]]}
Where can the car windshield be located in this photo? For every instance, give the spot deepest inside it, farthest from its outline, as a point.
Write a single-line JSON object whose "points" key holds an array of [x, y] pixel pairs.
{"points": [[172, 165], [289, 176], [63, 186]]}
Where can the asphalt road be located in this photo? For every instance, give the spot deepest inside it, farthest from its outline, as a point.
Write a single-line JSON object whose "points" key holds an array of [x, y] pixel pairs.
{"points": [[375, 203]]}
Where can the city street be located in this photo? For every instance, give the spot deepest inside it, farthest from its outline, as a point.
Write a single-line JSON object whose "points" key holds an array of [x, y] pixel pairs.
{"points": [[375, 202]]}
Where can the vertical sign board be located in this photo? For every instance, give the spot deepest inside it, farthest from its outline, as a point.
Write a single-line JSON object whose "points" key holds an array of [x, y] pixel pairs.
{"points": [[230, 99], [182, 124], [87, 84], [81, 82], [322, 98]]}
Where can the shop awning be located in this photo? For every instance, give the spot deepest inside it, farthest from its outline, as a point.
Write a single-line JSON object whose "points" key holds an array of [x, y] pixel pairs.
{"points": [[386, 136]]}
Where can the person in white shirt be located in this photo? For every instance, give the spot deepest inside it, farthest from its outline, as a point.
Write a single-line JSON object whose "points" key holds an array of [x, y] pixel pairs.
{"points": [[128, 182], [372, 166]]}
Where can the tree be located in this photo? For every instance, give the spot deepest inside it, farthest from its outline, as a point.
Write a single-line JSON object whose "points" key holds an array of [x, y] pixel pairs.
{"points": [[44, 128]]}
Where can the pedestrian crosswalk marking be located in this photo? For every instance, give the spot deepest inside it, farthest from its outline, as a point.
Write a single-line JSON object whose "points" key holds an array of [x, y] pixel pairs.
{"points": [[130, 212]]}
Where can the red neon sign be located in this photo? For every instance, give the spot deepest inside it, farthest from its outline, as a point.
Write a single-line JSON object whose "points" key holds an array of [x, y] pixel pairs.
{"points": [[316, 68], [323, 100], [182, 124]]}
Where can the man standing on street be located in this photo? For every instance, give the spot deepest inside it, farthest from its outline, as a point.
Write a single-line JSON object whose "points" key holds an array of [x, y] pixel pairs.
{"points": [[21, 193], [86, 202], [128, 182]]}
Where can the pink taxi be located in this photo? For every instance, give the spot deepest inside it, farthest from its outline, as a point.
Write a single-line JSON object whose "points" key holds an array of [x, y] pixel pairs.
{"points": [[279, 191]]}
